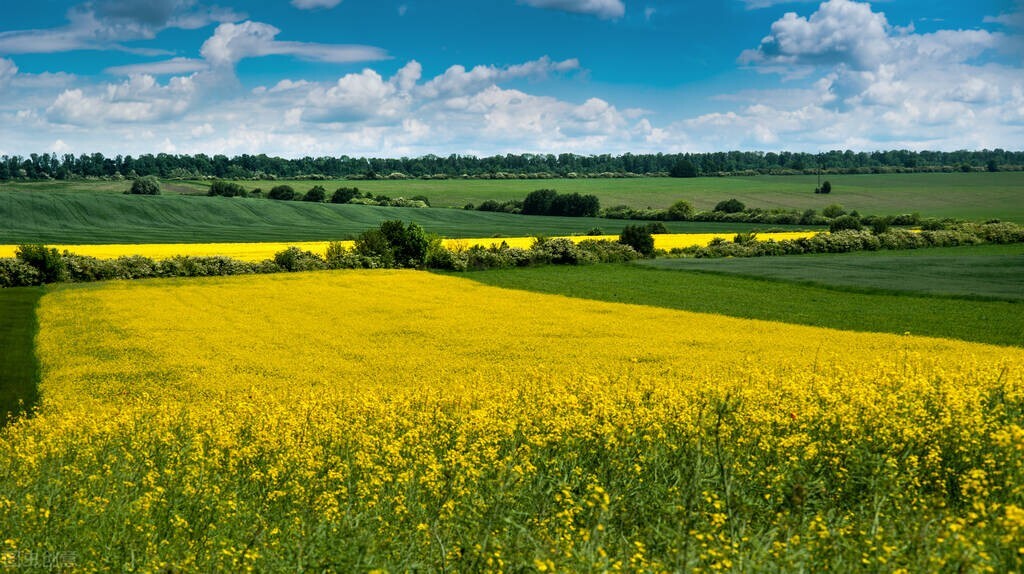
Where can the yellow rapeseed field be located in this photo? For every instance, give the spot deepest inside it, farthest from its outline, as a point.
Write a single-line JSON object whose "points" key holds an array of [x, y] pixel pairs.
{"points": [[405, 421], [255, 252]]}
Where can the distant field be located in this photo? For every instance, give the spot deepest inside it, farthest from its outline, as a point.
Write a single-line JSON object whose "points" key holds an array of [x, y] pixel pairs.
{"points": [[971, 196], [997, 322], [18, 368], [89, 218], [995, 271]]}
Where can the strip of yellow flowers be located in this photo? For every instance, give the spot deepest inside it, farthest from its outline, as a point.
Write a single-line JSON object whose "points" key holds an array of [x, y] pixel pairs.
{"points": [[256, 252], [407, 421]]}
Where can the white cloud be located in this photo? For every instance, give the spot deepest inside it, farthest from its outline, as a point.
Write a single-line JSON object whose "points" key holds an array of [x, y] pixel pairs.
{"points": [[353, 98], [60, 147], [841, 31], [7, 72], [161, 68], [608, 9], [313, 4], [457, 80], [1013, 19], [231, 43], [757, 4], [105, 25], [139, 99], [879, 86]]}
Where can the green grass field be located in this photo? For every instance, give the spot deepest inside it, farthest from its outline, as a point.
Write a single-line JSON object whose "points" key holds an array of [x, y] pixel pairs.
{"points": [[19, 371], [973, 196], [59, 217], [997, 322], [981, 271]]}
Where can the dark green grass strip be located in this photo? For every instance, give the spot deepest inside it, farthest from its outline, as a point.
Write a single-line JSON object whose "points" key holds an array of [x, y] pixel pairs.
{"points": [[977, 271], [69, 218], [995, 322], [19, 370]]}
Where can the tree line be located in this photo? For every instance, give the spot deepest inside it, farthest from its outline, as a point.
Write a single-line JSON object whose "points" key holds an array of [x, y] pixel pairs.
{"points": [[201, 166]]}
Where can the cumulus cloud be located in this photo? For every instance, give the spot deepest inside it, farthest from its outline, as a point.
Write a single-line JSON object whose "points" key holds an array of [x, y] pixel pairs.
{"points": [[356, 97], [231, 43], [313, 4], [841, 31], [877, 85], [607, 9], [139, 99]]}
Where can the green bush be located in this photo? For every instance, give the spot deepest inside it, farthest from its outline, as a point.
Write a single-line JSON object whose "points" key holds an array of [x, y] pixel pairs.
{"points": [[295, 259], [680, 211], [744, 237], [639, 238], [558, 251], [845, 222], [345, 194], [317, 194], [833, 211], [604, 251], [46, 260], [934, 224], [226, 189], [730, 206], [147, 185], [17, 273], [282, 193], [213, 266]]}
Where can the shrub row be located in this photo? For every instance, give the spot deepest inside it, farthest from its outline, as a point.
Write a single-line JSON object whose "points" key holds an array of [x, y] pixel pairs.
{"points": [[392, 245], [317, 194], [733, 211], [847, 240]]}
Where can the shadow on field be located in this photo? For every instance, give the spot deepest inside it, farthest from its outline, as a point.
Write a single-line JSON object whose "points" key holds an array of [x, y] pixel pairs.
{"points": [[19, 369]]}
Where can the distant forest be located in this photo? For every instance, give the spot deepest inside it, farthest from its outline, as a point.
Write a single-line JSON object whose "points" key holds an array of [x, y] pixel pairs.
{"points": [[510, 166]]}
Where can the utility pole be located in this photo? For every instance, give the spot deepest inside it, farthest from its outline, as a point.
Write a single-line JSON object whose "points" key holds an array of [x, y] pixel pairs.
{"points": [[818, 189]]}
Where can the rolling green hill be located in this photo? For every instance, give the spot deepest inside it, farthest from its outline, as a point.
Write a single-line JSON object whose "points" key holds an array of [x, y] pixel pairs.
{"points": [[973, 196], [72, 217]]}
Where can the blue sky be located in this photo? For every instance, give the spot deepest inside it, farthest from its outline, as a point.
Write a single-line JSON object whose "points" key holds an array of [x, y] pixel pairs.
{"points": [[411, 77]]}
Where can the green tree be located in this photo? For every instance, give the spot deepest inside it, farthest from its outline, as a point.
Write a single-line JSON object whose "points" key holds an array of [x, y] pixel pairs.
{"points": [[683, 168], [539, 202], [639, 238], [394, 244], [145, 186]]}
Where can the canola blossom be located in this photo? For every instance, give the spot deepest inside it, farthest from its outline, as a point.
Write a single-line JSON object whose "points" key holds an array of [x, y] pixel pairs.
{"points": [[255, 252], [401, 420]]}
